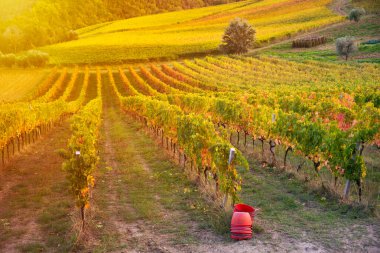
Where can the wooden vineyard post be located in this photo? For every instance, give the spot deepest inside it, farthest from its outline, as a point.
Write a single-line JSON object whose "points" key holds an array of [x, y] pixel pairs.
{"points": [[262, 148], [230, 160], [272, 147], [289, 148], [347, 189], [272, 144], [232, 156]]}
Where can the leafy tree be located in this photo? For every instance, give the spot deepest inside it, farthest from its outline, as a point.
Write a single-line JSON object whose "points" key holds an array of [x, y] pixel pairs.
{"points": [[37, 58], [7, 60], [356, 14], [14, 36], [238, 37], [345, 46], [33, 58]]}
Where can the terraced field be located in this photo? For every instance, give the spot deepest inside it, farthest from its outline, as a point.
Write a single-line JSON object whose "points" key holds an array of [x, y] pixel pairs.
{"points": [[191, 32]]}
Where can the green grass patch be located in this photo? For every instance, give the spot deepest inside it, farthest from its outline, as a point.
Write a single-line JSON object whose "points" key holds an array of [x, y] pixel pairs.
{"points": [[293, 209], [32, 248], [370, 48], [317, 55]]}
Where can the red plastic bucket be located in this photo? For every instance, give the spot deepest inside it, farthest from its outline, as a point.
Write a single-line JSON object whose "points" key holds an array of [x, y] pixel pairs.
{"points": [[241, 222], [245, 208], [241, 219]]}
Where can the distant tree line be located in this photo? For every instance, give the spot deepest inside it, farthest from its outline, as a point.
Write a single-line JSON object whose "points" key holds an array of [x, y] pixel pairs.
{"points": [[31, 58], [48, 22]]}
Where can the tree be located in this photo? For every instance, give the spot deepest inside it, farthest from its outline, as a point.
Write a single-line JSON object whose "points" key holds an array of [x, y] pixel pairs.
{"points": [[37, 58], [238, 37], [355, 14], [345, 46], [14, 36], [7, 60]]}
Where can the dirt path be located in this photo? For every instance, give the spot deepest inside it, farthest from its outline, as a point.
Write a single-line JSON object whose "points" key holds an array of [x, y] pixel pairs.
{"points": [[126, 197], [34, 201], [338, 6], [303, 35], [137, 231]]}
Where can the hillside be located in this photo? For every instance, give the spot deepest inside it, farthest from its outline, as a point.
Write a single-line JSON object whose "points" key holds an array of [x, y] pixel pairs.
{"points": [[39, 22], [371, 6], [137, 134], [367, 29], [190, 32]]}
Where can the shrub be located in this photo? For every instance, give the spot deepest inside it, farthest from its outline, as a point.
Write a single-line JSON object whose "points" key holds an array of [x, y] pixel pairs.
{"points": [[37, 58], [238, 37], [31, 58], [345, 46], [22, 61], [7, 60], [355, 14], [72, 35], [309, 42]]}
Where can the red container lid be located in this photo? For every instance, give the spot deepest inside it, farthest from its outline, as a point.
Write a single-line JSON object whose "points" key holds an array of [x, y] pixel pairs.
{"points": [[244, 208]]}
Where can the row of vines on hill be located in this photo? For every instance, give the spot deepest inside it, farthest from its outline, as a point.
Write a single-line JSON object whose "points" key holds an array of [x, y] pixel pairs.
{"points": [[81, 156], [198, 104], [22, 122], [328, 118], [195, 136]]}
